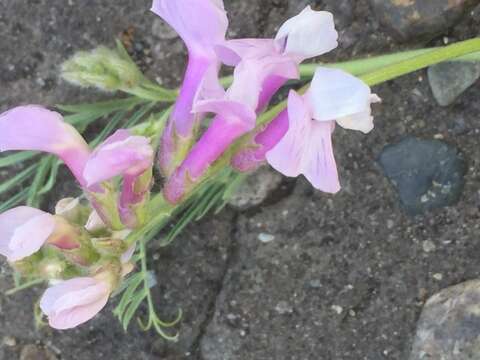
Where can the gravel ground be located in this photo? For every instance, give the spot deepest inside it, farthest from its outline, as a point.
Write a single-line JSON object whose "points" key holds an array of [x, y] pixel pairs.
{"points": [[304, 275]]}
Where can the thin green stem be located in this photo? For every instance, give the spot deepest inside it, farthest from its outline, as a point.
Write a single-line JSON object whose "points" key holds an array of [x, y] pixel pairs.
{"points": [[422, 61], [24, 286], [366, 65]]}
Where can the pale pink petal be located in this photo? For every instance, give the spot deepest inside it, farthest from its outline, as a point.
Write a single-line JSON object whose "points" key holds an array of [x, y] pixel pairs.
{"points": [[251, 75], [23, 231], [232, 111], [71, 318], [286, 157], [309, 34], [132, 155], [306, 148], [33, 127], [231, 52], [210, 87], [73, 302], [335, 94], [200, 23], [319, 165]]}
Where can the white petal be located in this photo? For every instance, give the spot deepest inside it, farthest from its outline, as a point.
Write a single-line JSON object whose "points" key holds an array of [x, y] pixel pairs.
{"points": [[309, 34], [361, 121], [335, 94]]}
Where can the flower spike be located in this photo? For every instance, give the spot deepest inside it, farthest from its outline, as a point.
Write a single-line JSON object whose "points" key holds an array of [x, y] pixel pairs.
{"points": [[189, 19]]}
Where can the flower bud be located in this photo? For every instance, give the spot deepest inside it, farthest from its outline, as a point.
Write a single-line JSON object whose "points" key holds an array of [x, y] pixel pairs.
{"points": [[103, 68], [110, 246], [72, 210]]}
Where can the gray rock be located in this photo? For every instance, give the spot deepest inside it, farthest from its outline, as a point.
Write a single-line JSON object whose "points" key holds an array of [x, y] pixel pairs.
{"points": [[449, 327], [256, 188], [449, 80], [428, 174], [422, 19]]}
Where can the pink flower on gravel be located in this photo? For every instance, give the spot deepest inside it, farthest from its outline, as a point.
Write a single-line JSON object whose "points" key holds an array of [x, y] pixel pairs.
{"points": [[74, 302], [23, 231], [305, 145], [262, 66]]}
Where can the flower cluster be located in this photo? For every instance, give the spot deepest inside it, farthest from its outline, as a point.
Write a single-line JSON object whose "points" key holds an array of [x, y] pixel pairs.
{"points": [[298, 141], [81, 249]]}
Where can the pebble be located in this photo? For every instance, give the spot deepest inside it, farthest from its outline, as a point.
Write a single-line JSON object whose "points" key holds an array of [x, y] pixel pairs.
{"points": [[420, 19], [450, 80], [9, 341], [266, 238], [428, 246], [283, 308], [427, 174], [337, 309], [449, 326], [256, 189], [34, 352]]}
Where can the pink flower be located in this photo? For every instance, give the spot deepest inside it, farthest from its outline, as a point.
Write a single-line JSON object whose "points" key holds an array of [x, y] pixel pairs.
{"points": [[201, 24], [262, 66], [75, 301], [23, 231], [35, 128], [304, 137]]}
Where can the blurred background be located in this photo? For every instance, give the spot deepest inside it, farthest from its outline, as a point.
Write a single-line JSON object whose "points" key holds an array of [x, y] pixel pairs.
{"points": [[286, 272]]}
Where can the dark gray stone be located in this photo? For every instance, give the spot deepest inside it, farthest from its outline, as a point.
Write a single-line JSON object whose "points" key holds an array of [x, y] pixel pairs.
{"points": [[449, 80], [427, 174], [420, 19], [449, 327]]}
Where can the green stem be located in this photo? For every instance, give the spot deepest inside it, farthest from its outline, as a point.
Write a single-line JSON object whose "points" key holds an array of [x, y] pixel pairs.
{"points": [[152, 93], [446, 53], [24, 286], [366, 65]]}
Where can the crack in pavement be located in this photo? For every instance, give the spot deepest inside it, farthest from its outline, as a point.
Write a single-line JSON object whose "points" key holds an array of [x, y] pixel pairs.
{"points": [[231, 259]]}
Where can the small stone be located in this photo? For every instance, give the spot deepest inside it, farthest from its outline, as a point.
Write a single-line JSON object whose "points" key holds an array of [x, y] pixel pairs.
{"points": [[337, 309], [423, 19], [428, 246], [10, 341], [449, 80], [449, 326], [315, 284], [266, 238], [390, 224], [256, 188], [438, 276], [427, 174], [283, 308], [34, 352]]}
